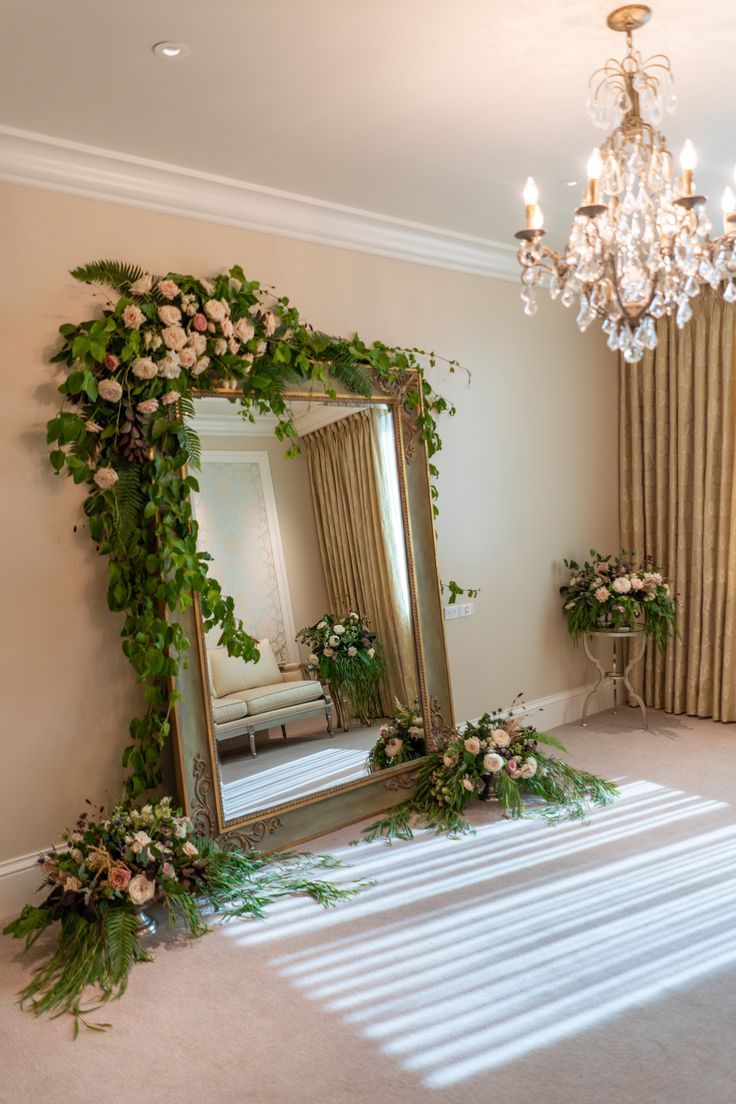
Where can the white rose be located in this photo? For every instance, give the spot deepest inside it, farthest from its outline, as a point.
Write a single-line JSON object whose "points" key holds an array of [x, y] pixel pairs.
{"points": [[105, 478], [371, 652], [528, 768], [198, 342], [468, 784], [170, 316], [214, 310], [133, 317], [141, 840], [174, 337], [167, 289], [322, 625], [168, 366], [244, 330], [472, 744], [622, 585], [142, 286], [333, 641], [141, 890], [493, 762], [339, 629], [393, 747], [144, 368], [189, 848], [500, 737], [110, 390]]}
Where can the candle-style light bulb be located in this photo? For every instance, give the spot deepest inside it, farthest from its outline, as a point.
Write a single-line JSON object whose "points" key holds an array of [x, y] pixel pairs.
{"points": [[537, 218], [531, 195], [688, 162], [594, 170], [728, 206]]}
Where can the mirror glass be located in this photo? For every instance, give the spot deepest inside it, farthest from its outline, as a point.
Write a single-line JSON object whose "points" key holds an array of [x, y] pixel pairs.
{"points": [[313, 551]]}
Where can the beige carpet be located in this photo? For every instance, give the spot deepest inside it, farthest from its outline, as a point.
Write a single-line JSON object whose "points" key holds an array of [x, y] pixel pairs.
{"points": [[563, 964]]}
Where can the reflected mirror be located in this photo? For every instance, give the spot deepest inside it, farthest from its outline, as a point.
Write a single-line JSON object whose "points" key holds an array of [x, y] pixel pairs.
{"points": [[313, 551]]}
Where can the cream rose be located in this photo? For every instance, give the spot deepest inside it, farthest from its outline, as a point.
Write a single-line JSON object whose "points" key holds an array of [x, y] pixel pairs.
{"points": [[244, 330], [528, 768], [339, 629], [328, 652], [468, 784], [622, 585], [110, 390], [141, 890], [500, 737], [602, 594], [170, 316], [449, 760], [174, 337], [189, 849], [105, 478], [313, 659], [270, 323], [352, 651], [148, 406], [170, 397], [220, 346], [72, 884], [167, 289], [393, 747], [214, 310], [133, 317], [169, 365], [493, 762], [472, 744], [187, 357], [201, 366], [142, 286], [144, 368], [333, 641], [371, 652]]}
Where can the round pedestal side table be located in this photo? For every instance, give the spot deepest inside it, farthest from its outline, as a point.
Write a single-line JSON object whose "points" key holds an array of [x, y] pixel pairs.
{"points": [[619, 672]]}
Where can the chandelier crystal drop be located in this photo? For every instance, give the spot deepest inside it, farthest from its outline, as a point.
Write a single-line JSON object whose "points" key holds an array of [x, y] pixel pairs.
{"points": [[639, 245]]}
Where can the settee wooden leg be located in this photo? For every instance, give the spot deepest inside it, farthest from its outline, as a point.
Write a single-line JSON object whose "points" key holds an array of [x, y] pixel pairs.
{"points": [[252, 742], [283, 731], [328, 717]]}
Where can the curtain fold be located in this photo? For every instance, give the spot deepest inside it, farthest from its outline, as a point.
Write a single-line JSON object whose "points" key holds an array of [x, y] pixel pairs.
{"points": [[363, 555], [677, 466]]}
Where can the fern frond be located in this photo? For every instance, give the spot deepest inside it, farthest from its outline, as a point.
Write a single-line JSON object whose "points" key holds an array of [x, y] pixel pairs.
{"points": [[129, 501], [121, 945], [115, 274], [192, 447], [345, 367]]}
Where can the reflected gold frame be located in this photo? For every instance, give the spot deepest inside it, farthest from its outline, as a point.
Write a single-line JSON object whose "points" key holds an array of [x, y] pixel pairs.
{"points": [[300, 819]]}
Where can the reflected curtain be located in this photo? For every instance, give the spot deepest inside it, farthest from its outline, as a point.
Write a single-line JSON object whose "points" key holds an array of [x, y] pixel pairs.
{"points": [[362, 552], [678, 501]]}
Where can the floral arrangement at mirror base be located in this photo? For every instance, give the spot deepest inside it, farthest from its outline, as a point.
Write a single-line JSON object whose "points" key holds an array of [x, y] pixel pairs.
{"points": [[497, 757], [111, 869], [399, 741]]}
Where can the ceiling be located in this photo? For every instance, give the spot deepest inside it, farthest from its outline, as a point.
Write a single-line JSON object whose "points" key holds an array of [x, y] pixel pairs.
{"points": [[428, 110], [216, 416]]}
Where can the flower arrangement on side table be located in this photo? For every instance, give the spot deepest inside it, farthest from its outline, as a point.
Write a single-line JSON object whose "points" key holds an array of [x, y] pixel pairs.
{"points": [[347, 655], [113, 866], [399, 741], [617, 593], [499, 756]]}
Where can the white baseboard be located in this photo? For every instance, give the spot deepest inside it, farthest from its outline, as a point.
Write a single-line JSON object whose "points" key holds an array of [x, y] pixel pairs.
{"points": [[19, 878], [564, 707]]}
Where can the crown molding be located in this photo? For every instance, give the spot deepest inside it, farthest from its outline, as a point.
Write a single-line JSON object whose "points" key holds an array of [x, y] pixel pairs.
{"points": [[40, 161]]}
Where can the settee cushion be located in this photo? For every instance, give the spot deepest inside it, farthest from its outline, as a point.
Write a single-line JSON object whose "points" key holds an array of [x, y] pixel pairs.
{"points": [[224, 711], [280, 695], [230, 674]]}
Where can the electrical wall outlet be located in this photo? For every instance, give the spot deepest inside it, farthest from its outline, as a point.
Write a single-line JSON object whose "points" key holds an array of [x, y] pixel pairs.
{"points": [[467, 609], [451, 612]]}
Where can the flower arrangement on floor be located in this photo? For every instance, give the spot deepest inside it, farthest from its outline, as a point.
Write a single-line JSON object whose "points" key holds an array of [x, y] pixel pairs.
{"points": [[617, 593], [347, 654], [499, 756], [399, 741], [114, 865]]}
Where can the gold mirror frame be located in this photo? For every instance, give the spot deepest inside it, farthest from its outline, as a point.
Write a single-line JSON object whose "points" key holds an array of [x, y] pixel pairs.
{"points": [[303, 818]]}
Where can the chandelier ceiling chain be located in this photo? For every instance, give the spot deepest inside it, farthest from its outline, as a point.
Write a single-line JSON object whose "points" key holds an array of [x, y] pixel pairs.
{"points": [[639, 245]]}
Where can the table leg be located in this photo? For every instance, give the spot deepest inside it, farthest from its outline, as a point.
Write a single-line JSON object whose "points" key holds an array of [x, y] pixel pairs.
{"points": [[632, 663], [601, 675]]}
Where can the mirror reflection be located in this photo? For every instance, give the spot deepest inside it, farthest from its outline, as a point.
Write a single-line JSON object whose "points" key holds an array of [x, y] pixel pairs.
{"points": [[313, 550]]}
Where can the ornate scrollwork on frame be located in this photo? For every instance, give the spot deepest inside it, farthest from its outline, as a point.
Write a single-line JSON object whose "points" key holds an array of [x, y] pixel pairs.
{"points": [[255, 833], [439, 730], [201, 810], [404, 781], [405, 386]]}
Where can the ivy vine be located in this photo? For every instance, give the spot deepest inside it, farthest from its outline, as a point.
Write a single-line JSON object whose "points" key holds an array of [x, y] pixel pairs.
{"points": [[124, 432]]}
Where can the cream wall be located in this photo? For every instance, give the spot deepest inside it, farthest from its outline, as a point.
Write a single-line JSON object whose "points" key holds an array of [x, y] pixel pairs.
{"points": [[528, 476], [292, 491]]}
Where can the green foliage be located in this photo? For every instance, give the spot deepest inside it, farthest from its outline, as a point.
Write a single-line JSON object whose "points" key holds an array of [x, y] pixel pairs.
{"points": [[455, 591], [143, 523]]}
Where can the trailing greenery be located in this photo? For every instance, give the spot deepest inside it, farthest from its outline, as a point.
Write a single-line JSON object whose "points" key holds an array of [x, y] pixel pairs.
{"points": [[124, 434], [616, 593], [130, 858], [498, 757]]}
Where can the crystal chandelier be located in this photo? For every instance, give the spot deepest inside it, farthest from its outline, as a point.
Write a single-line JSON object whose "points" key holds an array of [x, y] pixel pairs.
{"points": [[639, 246]]}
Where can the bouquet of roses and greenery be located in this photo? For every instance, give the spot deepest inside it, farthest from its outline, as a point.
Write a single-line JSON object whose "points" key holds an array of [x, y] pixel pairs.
{"points": [[399, 741], [617, 593], [498, 756], [111, 866], [347, 655]]}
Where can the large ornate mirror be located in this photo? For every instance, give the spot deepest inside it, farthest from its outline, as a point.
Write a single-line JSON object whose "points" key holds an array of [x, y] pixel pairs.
{"points": [[329, 557]]}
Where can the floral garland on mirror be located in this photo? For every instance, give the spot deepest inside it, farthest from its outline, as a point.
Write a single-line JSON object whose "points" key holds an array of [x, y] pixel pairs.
{"points": [[618, 594], [112, 866], [124, 434], [399, 741], [498, 757]]}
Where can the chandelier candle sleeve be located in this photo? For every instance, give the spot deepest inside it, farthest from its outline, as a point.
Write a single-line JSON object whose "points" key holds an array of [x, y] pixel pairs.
{"points": [[639, 246], [728, 206]]}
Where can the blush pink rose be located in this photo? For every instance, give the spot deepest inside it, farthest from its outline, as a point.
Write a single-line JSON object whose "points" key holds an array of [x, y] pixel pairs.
{"points": [[200, 322], [111, 362], [187, 357], [118, 876]]}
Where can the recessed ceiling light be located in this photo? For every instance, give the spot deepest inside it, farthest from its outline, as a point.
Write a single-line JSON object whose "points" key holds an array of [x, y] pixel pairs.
{"points": [[570, 183], [171, 49]]}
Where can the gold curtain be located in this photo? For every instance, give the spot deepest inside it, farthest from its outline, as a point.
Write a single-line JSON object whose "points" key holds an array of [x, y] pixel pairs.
{"points": [[677, 461], [350, 507]]}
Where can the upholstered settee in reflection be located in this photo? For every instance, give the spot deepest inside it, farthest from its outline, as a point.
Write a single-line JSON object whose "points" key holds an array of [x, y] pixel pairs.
{"points": [[250, 697]]}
